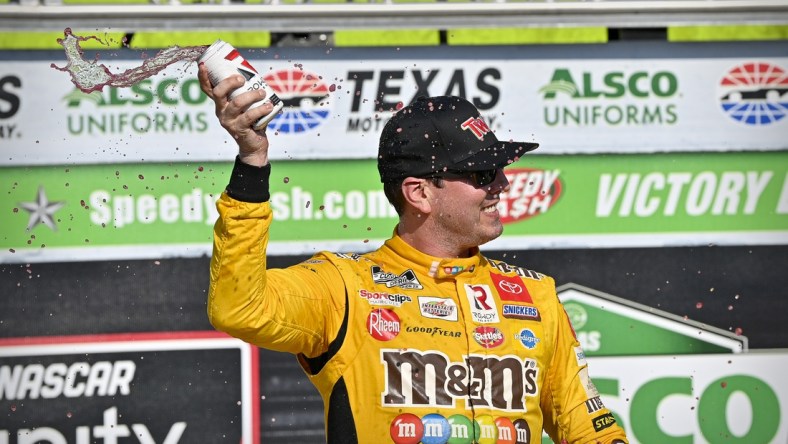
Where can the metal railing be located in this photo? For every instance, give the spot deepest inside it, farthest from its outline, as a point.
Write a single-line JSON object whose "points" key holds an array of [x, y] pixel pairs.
{"points": [[310, 17]]}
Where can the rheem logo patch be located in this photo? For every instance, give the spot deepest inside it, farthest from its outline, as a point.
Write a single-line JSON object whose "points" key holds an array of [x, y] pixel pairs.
{"points": [[383, 324]]}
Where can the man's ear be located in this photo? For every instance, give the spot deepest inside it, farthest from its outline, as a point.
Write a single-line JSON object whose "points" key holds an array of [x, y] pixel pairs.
{"points": [[416, 194]]}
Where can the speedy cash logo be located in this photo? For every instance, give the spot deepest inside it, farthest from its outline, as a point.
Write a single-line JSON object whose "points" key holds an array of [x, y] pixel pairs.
{"points": [[531, 192], [306, 100]]}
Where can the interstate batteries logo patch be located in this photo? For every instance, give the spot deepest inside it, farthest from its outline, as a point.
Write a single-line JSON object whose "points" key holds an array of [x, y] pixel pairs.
{"points": [[305, 96], [755, 93], [531, 193], [438, 308]]}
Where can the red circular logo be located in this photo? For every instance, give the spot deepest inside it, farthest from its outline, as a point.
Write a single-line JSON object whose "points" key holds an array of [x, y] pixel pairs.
{"points": [[507, 434], [406, 428], [383, 324], [488, 337], [531, 192]]}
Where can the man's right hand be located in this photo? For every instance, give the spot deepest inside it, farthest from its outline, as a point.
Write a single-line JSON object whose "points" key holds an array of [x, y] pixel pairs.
{"points": [[236, 117]]}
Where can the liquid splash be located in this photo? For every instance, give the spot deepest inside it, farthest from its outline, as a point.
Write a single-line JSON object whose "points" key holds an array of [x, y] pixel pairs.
{"points": [[91, 76]]}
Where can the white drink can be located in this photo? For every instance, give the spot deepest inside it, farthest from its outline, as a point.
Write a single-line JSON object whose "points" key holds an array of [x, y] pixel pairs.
{"points": [[223, 60]]}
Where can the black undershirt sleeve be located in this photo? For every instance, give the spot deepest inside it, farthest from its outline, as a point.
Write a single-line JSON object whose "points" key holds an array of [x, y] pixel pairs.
{"points": [[249, 183]]}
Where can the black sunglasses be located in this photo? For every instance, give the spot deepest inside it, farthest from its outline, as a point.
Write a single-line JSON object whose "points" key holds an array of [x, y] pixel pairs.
{"points": [[478, 178]]}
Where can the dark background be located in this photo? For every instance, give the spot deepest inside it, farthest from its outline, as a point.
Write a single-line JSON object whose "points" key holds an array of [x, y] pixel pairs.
{"points": [[737, 287], [168, 387]]}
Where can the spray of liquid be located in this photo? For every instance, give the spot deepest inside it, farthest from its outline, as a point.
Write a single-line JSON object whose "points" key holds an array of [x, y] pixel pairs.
{"points": [[91, 76]]}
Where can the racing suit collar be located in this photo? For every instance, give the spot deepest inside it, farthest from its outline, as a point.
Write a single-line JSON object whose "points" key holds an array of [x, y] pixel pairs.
{"points": [[435, 267]]}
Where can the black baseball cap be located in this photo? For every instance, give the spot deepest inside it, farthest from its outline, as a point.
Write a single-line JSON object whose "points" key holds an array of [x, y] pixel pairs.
{"points": [[442, 134]]}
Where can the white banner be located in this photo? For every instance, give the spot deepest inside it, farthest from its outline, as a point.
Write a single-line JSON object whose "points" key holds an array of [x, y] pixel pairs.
{"points": [[702, 399], [338, 107]]}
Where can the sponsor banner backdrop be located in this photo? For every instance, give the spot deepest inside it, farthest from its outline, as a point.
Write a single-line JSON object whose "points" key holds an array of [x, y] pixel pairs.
{"points": [[156, 210], [701, 399], [114, 388], [336, 107]]}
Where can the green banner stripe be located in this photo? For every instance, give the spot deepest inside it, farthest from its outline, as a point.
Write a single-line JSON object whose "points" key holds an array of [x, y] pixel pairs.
{"points": [[393, 37], [239, 39], [516, 36], [48, 40], [727, 33], [628, 196], [655, 193]]}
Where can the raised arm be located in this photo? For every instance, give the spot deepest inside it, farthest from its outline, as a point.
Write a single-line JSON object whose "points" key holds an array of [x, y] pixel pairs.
{"points": [[298, 309]]}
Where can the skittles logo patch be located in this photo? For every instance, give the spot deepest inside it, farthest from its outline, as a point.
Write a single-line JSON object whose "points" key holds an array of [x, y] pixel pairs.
{"points": [[488, 337]]}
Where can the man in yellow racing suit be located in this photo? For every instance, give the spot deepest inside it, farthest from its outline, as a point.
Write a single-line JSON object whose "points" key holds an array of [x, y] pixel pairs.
{"points": [[423, 340]]}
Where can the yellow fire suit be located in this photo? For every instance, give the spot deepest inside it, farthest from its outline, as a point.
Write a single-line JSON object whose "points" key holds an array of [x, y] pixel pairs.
{"points": [[409, 348]]}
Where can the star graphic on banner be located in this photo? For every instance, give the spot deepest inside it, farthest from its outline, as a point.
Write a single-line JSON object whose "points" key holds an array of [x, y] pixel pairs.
{"points": [[41, 211]]}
